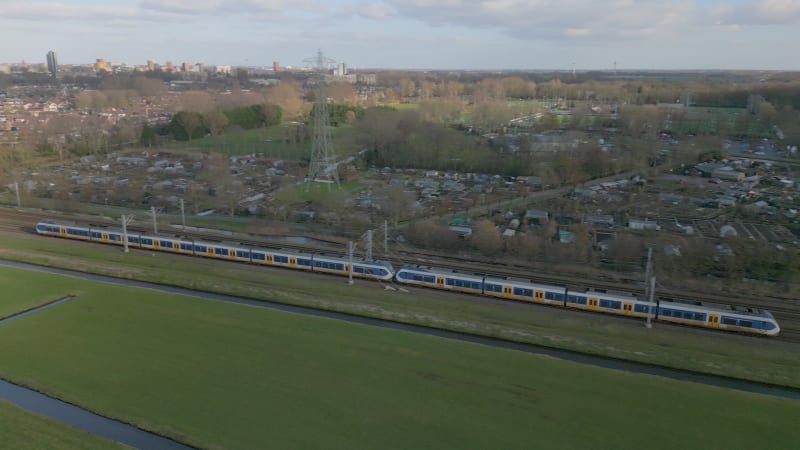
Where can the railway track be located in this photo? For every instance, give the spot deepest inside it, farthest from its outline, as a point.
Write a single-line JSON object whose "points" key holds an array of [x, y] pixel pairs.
{"points": [[786, 310]]}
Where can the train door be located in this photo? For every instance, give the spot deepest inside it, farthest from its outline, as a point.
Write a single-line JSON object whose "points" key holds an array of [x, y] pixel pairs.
{"points": [[269, 258], [105, 238], [539, 297], [627, 309], [592, 302], [210, 251], [176, 246], [440, 282], [63, 231], [232, 253], [713, 320], [292, 262], [507, 291], [156, 244]]}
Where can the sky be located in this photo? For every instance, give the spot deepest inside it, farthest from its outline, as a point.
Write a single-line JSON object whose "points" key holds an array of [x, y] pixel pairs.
{"points": [[410, 34]]}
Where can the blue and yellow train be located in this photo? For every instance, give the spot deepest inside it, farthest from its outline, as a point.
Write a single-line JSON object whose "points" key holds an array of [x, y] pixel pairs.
{"points": [[315, 262], [707, 315], [722, 317]]}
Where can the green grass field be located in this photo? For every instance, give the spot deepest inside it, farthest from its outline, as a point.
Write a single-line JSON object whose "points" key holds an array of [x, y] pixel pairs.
{"points": [[21, 291], [228, 376], [269, 141], [699, 350], [22, 430]]}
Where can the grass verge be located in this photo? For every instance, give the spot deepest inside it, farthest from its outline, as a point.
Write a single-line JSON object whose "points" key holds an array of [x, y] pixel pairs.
{"points": [[757, 359], [22, 292], [23, 430], [227, 376]]}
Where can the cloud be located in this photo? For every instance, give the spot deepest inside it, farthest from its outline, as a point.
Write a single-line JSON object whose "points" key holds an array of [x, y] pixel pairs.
{"points": [[756, 13], [593, 20]]}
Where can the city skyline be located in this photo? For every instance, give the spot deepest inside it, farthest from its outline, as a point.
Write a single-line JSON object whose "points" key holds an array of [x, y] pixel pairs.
{"points": [[417, 34]]}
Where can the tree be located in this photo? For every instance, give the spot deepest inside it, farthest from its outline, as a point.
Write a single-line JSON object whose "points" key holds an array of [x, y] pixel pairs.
{"points": [[186, 126], [215, 121], [342, 93], [287, 96], [57, 132], [486, 238], [195, 101]]}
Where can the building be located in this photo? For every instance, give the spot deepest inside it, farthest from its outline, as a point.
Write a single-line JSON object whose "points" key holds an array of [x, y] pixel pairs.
{"points": [[643, 224], [101, 64], [276, 66], [52, 63]]}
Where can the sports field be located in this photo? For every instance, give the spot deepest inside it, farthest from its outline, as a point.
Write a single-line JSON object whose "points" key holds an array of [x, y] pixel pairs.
{"points": [[22, 430], [228, 376], [688, 348]]}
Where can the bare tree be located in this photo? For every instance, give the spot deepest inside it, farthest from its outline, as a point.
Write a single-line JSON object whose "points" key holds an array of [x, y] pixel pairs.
{"points": [[486, 238], [215, 121], [287, 95]]}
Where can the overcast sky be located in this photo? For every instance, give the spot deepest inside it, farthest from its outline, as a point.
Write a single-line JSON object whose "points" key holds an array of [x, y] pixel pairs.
{"points": [[410, 34]]}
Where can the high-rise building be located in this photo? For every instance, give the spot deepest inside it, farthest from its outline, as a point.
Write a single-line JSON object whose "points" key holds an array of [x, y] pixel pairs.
{"points": [[276, 66], [52, 63]]}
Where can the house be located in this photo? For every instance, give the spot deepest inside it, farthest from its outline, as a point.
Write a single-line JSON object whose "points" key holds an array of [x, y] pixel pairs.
{"points": [[537, 216], [643, 224], [599, 220], [728, 174]]}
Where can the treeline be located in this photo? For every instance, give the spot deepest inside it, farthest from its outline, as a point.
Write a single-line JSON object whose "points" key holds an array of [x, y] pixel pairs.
{"points": [[188, 125], [403, 139], [341, 114]]}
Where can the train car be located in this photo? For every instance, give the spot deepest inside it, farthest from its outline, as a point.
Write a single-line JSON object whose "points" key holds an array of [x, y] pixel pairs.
{"points": [[375, 270], [441, 278], [362, 268], [288, 258], [527, 291], [611, 303], [51, 228], [724, 317], [227, 251]]}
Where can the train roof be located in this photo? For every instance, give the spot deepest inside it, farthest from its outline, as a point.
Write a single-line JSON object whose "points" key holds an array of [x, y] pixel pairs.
{"points": [[520, 281], [440, 271], [356, 259], [611, 294]]}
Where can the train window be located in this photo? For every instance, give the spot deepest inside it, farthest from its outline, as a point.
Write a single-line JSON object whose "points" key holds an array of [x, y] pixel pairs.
{"points": [[579, 299], [380, 272], [167, 244], [746, 323], [554, 296], [115, 237], [281, 259], [429, 278], [187, 246], [242, 253], [769, 326], [200, 248], [494, 287], [641, 308], [259, 256], [133, 239], [147, 241], [728, 321], [665, 312], [97, 234]]}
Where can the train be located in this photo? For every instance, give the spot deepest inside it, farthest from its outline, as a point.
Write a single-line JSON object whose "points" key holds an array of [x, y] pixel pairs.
{"points": [[684, 312]]}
